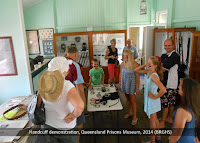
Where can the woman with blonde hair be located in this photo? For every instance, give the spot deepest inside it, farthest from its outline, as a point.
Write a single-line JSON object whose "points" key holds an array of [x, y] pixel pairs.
{"points": [[129, 83], [112, 55], [152, 102]]}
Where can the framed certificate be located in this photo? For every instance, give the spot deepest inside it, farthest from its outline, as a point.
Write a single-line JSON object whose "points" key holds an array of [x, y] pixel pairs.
{"points": [[7, 57], [32, 41]]}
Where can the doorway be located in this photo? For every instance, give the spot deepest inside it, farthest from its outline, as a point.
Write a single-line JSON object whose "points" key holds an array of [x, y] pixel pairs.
{"points": [[136, 34]]}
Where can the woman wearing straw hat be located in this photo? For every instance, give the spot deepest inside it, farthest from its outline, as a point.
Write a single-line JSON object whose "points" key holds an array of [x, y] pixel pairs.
{"points": [[61, 100]]}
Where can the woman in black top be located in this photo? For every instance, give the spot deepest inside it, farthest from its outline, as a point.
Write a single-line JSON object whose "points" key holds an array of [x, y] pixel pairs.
{"points": [[112, 55]]}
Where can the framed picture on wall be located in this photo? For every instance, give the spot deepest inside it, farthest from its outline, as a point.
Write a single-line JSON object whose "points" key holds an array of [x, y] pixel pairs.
{"points": [[45, 33], [78, 40], [7, 57], [33, 43], [48, 47]]}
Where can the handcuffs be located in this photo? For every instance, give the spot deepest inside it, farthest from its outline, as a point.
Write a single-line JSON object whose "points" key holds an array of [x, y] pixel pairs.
{"points": [[95, 102]]}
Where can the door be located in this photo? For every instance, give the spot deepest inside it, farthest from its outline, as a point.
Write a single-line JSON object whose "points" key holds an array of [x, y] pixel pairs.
{"points": [[195, 55], [148, 43], [134, 35]]}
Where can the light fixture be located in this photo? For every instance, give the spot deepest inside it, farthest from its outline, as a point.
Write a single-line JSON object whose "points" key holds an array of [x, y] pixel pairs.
{"points": [[143, 7]]}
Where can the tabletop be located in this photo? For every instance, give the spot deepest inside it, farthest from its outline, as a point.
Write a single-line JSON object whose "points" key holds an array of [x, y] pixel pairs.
{"points": [[96, 93], [10, 128]]}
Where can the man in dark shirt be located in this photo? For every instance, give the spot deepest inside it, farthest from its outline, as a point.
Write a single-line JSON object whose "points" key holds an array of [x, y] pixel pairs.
{"points": [[171, 62]]}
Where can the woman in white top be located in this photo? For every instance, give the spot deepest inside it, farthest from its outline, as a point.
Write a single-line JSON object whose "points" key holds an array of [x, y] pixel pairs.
{"points": [[61, 100]]}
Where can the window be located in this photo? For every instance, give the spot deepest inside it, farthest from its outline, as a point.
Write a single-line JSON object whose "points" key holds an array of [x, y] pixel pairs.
{"points": [[161, 18]]}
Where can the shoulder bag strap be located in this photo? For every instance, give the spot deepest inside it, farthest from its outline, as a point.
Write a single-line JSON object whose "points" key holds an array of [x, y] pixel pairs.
{"points": [[18, 116]]}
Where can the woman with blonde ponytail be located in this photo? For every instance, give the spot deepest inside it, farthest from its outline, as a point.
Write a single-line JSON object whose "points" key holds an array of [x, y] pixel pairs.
{"points": [[129, 83], [152, 102]]}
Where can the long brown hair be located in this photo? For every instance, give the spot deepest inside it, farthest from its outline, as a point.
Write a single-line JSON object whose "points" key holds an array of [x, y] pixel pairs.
{"points": [[191, 99], [158, 69], [191, 95]]}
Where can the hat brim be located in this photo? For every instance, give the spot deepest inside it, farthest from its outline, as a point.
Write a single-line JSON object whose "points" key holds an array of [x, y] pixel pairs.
{"points": [[52, 97]]}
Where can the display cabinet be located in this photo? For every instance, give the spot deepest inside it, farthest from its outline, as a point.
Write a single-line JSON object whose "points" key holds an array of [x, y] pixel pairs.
{"points": [[182, 38], [195, 56], [79, 40], [91, 44]]}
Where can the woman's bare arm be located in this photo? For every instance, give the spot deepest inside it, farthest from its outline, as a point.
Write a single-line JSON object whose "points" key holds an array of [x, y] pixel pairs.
{"points": [[179, 124], [135, 65], [162, 88], [78, 104], [39, 100], [141, 69], [120, 74]]}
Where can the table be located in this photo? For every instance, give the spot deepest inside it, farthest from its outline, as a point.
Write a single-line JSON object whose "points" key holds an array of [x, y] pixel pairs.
{"points": [[111, 104], [12, 127], [97, 93]]}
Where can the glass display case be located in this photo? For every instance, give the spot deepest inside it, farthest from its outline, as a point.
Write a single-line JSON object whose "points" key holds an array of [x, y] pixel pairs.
{"points": [[91, 44], [79, 41], [195, 56], [101, 42], [182, 38]]}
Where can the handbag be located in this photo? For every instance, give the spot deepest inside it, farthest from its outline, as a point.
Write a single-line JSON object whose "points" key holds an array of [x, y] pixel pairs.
{"points": [[116, 63], [36, 114]]}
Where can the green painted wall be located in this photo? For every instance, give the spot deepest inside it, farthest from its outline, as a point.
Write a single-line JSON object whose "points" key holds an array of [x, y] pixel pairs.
{"points": [[11, 25], [181, 12], [39, 16], [36, 79], [77, 15], [186, 13], [133, 13], [166, 4]]}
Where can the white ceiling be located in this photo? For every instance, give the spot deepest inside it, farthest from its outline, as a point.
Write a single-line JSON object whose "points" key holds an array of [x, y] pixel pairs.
{"points": [[29, 3]]}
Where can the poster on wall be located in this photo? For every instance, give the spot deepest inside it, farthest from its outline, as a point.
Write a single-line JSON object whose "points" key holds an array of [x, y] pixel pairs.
{"points": [[48, 47], [7, 58], [45, 33], [32, 41], [143, 7]]}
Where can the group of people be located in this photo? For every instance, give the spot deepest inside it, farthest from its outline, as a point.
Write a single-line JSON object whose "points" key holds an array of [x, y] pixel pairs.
{"points": [[62, 91], [160, 92]]}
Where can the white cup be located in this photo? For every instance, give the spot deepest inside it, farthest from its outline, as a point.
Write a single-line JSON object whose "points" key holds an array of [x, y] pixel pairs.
{"points": [[39, 63], [35, 67]]}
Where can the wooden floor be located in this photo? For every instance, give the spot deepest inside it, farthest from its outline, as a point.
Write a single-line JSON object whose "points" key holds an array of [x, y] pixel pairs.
{"points": [[108, 120]]}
